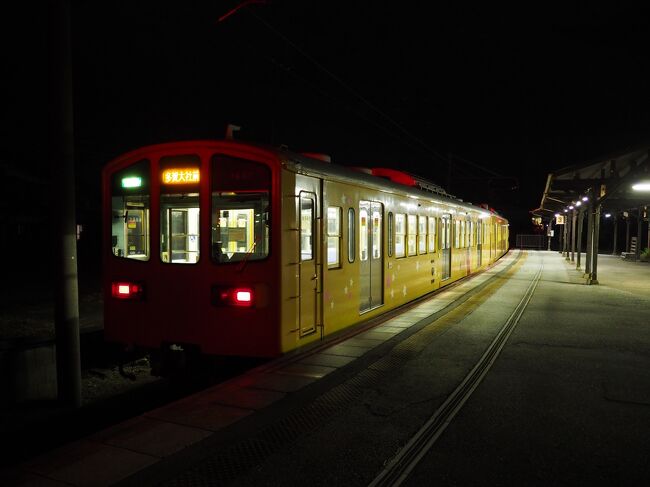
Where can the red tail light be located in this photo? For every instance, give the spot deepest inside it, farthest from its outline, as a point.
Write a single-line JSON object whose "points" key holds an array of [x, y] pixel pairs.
{"points": [[243, 296], [231, 296], [127, 290]]}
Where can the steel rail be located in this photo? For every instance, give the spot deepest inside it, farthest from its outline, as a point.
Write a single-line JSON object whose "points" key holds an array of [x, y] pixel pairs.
{"points": [[399, 468]]}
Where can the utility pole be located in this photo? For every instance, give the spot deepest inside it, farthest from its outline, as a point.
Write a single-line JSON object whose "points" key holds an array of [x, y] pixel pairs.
{"points": [[66, 314]]}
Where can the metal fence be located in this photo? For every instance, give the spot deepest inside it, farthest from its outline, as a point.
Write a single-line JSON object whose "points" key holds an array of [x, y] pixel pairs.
{"points": [[531, 242]]}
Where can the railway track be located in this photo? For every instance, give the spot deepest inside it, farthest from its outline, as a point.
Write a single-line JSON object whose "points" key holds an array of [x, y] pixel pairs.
{"points": [[399, 468], [274, 430]]}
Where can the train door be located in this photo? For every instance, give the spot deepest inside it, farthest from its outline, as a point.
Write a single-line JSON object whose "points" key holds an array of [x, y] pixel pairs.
{"points": [[445, 245], [309, 251], [479, 243], [180, 230], [371, 293]]}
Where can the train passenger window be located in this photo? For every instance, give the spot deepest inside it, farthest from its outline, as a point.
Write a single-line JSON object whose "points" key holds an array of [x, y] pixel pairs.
{"points": [[377, 210], [456, 234], [306, 228], [412, 230], [422, 234], [130, 212], [447, 232], [400, 235], [471, 233], [391, 241], [363, 234], [432, 234], [334, 236], [240, 215], [463, 234], [351, 235]]}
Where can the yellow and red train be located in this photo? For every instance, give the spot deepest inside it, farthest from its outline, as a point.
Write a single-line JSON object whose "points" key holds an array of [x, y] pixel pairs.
{"points": [[238, 249]]}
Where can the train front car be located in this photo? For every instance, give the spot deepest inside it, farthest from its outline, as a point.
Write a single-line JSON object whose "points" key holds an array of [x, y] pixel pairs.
{"points": [[189, 252]]}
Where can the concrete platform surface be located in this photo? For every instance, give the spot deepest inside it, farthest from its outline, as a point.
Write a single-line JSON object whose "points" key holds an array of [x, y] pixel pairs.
{"points": [[567, 402]]}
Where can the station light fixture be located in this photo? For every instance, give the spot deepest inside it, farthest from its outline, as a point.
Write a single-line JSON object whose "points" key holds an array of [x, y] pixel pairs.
{"points": [[578, 203], [641, 186], [585, 198], [556, 215], [571, 207], [607, 215], [566, 211]]}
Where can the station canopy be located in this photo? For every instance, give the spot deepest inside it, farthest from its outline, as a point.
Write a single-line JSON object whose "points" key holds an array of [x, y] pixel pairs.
{"points": [[609, 180]]}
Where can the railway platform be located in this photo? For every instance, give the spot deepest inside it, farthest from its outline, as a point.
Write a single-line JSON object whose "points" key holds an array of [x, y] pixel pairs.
{"points": [[519, 375]]}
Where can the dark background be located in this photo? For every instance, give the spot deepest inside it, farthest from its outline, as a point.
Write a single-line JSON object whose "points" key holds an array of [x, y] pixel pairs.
{"points": [[511, 93]]}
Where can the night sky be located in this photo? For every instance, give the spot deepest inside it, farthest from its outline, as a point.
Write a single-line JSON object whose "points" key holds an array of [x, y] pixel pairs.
{"points": [[511, 93]]}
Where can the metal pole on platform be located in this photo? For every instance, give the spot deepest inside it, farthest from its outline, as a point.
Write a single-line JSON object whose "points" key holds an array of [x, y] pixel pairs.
{"points": [[648, 239], [639, 226], [627, 232], [565, 250], [581, 217], [573, 235], [593, 279], [590, 234], [567, 236], [66, 314], [615, 233]]}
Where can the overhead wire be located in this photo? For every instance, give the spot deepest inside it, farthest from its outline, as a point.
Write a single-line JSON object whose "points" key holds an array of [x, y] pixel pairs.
{"points": [[346, 106], [477, 166], [365, 101], [423, 145]]}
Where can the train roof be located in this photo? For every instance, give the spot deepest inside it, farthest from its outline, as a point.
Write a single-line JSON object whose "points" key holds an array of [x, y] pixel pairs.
{"points": [[383, 179], [400, 182]]}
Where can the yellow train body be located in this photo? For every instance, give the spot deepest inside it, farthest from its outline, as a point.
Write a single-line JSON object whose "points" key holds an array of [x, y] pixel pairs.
{"points": [[477, 238]]}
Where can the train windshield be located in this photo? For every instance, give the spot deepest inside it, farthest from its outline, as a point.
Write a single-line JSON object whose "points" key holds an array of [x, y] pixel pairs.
{"points": [[130, 212], [240, 209]]}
